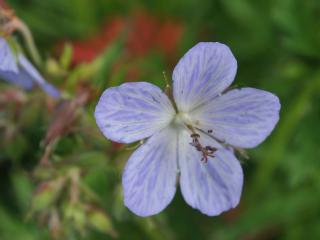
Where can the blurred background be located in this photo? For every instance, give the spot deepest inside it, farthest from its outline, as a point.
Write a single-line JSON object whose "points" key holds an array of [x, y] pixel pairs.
{"points": [[61, 179]]}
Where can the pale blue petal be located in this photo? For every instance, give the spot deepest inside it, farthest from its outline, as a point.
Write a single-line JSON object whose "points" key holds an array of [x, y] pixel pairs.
{"points": [[205, 71], [10, 70], [25, 75], [149, 178], [26, 66], [241, 117], [133, 111], [20, 78], [50, 90], [7, 59], [212, 187], [27, 69]]}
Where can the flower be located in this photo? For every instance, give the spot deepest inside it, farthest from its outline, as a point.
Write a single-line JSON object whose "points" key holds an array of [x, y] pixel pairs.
{"points": [[193, 139], [146, 33], [19, 71]]}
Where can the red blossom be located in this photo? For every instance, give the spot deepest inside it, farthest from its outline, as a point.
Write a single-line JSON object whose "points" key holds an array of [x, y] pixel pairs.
{"points": [[87, 50], [4, 4], [168, 37], [144, 34]]}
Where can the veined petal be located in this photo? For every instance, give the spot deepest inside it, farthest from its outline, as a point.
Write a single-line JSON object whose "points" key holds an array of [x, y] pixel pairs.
{"points": [[7, 59], [212, 187], [149, 178], [241, 117], [133, 111], [202, 73]]}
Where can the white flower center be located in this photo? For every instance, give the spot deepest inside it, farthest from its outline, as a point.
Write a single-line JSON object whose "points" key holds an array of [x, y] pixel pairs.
{"points": [[183, 122], [182, 119]]}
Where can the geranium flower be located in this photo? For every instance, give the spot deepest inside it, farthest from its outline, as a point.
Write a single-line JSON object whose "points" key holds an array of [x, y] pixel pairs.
{"points": [[192, 139], [19, 71]]}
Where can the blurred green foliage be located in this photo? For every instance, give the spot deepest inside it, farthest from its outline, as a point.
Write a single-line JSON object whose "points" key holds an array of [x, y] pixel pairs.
{"points": [[277, 45]]}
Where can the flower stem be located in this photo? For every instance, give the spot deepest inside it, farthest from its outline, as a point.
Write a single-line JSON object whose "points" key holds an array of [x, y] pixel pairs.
{"points": [[26, 33]]}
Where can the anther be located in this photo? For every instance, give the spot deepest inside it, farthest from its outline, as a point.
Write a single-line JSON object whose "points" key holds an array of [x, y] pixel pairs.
{"points": [[195, 135], [206, 151]]}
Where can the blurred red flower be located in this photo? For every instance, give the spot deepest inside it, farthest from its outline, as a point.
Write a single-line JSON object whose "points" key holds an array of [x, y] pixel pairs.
{"points": [[88, 49], [144, 33], [3, 4]]}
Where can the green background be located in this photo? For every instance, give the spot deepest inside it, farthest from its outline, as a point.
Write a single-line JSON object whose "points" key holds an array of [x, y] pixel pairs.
{"points": [[277, 46]]}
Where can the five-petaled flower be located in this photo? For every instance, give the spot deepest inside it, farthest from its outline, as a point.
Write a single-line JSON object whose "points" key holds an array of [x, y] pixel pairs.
{"points": [[18, 70], [192, 140]]}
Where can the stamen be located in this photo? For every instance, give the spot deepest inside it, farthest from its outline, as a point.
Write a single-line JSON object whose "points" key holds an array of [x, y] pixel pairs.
{"points": [[209, 134], [238, 150], [206, 151], [195, 135]]}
